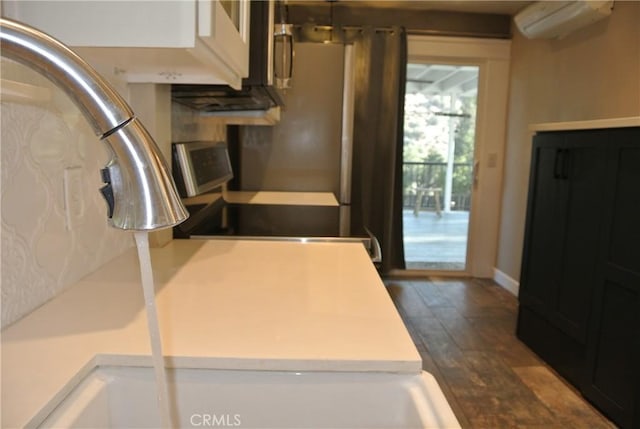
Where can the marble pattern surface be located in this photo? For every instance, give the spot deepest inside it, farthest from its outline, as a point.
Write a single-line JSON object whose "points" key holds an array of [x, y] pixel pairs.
{"points": [[41, 253], [43, 133]]}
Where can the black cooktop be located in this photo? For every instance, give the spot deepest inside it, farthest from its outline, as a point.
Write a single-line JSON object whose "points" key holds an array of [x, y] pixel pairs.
{"points": [[261, 220], [220, 219]]}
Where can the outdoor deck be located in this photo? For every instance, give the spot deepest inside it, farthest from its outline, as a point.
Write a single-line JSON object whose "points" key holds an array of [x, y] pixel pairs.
{"points": [[435, 243]]}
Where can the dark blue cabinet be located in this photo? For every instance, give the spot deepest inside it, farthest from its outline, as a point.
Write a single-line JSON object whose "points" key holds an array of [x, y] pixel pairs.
{"points": [[580, 282], [613, 374]]}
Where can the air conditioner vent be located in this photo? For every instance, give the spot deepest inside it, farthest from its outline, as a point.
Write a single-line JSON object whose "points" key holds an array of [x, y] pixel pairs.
{"points": [[556, 19]]}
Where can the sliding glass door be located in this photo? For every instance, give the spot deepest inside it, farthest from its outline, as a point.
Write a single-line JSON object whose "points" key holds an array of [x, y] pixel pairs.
{"points": [[439, 144]]}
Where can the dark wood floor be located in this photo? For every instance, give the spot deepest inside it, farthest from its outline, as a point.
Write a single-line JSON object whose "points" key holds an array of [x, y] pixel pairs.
{"points": [[464, 330]]}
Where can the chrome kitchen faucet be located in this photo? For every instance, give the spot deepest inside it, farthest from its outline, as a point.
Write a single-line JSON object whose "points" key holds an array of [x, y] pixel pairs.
{"points": [[139, 190]]}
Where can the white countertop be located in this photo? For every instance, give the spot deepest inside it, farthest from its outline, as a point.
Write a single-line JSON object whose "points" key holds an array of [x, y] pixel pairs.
{"points": [[268, 197], [632, 121], [221, 304], [283, 198]]}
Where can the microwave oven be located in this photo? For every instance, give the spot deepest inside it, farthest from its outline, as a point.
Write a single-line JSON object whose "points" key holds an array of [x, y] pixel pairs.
{"points": [[200, 166], [259, 91]]}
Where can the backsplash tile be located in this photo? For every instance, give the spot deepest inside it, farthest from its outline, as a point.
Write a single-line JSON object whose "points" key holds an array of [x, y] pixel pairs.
{"points": [[40, 255], [42, 134], [188, 125]]}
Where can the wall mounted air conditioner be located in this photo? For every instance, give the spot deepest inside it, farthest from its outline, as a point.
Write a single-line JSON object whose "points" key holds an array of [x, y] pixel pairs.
{"points": [[556, 19]]}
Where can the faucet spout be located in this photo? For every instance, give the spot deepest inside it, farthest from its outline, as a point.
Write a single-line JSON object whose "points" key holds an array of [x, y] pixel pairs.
{"points": [[140, 192]]}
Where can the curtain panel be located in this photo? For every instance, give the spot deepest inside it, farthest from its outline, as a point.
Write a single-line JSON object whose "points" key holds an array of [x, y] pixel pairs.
{"points": [[380, 75]]}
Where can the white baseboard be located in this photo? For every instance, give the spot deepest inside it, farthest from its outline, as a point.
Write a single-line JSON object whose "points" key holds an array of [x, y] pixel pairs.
{"points": [[506, 282]]}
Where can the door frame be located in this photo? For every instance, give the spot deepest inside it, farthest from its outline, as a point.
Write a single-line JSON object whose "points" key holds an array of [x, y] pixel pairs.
{"points": [[492, 56]]}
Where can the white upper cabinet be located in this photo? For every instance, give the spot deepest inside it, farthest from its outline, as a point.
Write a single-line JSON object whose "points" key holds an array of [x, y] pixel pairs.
{"points": [[159, 41]]}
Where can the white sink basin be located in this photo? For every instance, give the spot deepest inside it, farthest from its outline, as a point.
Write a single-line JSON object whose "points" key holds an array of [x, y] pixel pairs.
{"points": [[122, 397]]}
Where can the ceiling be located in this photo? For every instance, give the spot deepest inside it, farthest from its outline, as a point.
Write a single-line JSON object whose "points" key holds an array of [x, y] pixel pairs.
{"points": [[506, 7], [432, 79]]}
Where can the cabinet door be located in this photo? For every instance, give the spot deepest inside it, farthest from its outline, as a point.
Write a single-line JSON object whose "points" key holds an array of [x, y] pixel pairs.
{"points": [[613, 380], [545, 218], [160, 41], [230, 43], [582, 168], [565, 208]]}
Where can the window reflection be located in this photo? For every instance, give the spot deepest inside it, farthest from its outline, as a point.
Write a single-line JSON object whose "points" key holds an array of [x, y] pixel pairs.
{"points": [[232, 8]]}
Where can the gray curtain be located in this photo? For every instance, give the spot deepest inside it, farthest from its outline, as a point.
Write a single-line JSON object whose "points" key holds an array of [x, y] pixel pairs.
{"points": [[380, 74]]}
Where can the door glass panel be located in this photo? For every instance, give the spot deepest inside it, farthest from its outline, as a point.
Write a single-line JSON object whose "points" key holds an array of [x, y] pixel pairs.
{"points": [[439, 139]]}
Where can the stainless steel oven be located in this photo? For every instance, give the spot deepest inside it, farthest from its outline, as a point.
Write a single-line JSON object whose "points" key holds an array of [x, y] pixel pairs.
{"points": [[212, 217], [201, 171], [260, 90], [200, 166]]}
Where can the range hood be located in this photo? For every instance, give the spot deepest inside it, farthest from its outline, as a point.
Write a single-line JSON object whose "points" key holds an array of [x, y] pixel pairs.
{"points": [[258, 93]]}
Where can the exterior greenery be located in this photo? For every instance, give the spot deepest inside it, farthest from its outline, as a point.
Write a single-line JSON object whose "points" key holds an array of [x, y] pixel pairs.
{"points": [[427, 126]]}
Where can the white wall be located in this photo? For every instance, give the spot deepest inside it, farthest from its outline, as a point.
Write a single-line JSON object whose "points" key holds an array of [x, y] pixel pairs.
{"points": [[593, 73]]}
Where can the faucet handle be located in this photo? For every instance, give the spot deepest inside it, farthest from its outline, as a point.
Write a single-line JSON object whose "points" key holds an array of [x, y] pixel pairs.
{"points": [[105, 175], [144, 195], [107, 191]]}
